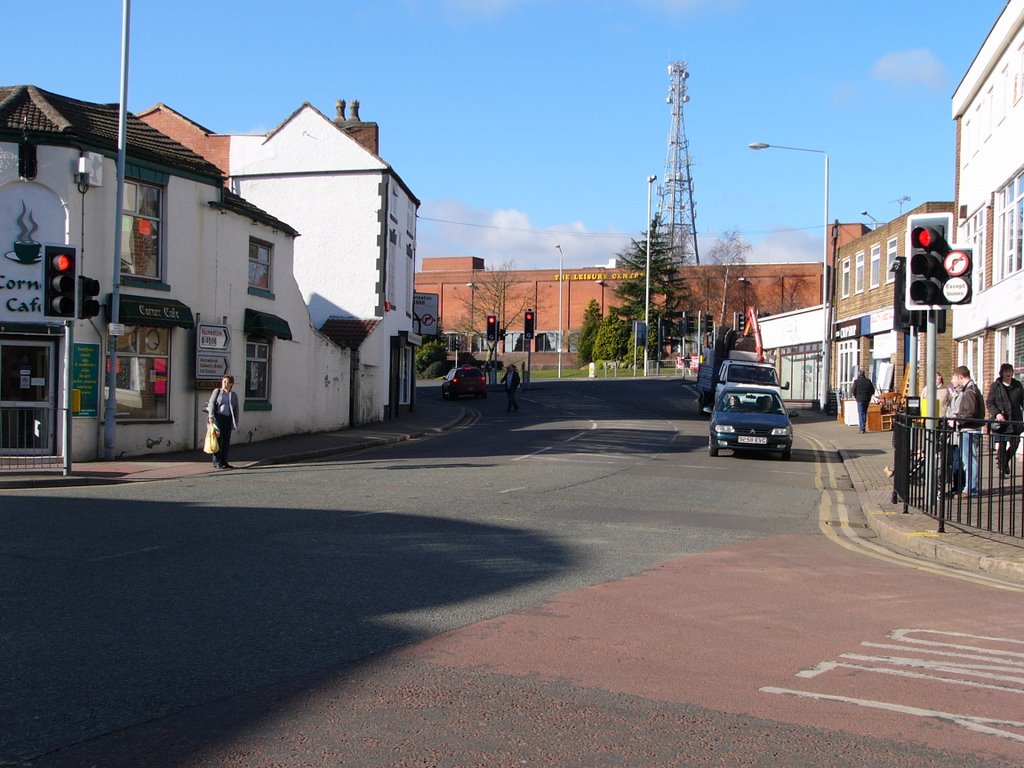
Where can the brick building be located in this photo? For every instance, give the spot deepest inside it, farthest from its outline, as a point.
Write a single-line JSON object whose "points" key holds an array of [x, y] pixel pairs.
{"points": [[466, 294]]}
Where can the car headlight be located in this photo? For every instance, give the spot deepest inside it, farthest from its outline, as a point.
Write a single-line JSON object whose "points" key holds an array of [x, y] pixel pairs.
{"points": [[725, 428], [782, 432]]}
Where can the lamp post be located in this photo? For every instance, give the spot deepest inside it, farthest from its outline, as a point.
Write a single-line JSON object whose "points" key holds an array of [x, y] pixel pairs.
{"points": [[745, 282], [602, 283], [559, 310], [825, 350], [472, 316], [647, 280]]}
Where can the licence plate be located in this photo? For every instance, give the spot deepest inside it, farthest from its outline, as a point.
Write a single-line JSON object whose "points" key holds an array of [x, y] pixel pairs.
{"points": [[752, 440]]}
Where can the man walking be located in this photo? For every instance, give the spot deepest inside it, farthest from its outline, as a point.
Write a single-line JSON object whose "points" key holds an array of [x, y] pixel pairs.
{"points": [[863, 391], [511, 382], [970, 418]]}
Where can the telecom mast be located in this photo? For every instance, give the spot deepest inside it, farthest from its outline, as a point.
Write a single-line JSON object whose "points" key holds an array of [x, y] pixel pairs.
{"points": [[676, 206]]}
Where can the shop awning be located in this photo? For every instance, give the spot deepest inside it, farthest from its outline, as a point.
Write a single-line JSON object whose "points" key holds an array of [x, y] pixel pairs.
{"points": [[266, 324], [147, 310]]}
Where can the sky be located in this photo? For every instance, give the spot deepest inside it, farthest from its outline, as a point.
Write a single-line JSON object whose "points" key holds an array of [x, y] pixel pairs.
{"points": [[525, 124]]}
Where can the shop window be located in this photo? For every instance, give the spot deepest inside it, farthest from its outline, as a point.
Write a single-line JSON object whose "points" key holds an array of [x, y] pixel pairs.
{"points": [[143, 373], [140, 230]]}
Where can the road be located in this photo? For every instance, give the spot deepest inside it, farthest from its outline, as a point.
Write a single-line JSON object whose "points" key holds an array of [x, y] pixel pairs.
{"points": [[578, 583]]}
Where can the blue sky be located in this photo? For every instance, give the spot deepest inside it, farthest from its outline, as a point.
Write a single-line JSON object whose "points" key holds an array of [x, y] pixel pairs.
{"points": [[522, 124]]}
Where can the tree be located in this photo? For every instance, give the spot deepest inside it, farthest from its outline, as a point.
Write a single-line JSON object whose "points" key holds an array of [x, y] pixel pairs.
{"points": [[668, 291], [612, 340], [722, 270], [591, 324], [496, 294]]}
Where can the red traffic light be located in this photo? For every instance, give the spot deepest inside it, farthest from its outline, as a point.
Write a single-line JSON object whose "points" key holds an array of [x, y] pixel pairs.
{"points": [[62, 262], [925, 237]]}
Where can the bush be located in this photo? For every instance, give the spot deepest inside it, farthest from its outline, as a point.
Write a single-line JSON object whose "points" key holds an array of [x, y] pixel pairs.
{"points": [[436, 369], [430, 353]]}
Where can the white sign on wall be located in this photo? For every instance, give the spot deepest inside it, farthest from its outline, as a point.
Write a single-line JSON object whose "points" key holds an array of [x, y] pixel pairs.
{"points": [[424, 313]]}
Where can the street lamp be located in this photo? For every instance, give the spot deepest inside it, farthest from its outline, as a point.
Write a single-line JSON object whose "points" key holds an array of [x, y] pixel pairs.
{"points": [[825, 351], [647, 281], [745, 282], [472, 315], [559, 310], [602, 283], [874, 221]]}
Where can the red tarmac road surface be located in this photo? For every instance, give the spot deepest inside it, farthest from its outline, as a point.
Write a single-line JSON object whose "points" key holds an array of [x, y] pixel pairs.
{"points": [[783, 651]]}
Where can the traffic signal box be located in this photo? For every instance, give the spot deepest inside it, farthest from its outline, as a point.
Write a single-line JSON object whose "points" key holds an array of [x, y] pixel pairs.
{"points": [[60, 281], [88, 290], [492, 328], [939, 275], [529, 322]]}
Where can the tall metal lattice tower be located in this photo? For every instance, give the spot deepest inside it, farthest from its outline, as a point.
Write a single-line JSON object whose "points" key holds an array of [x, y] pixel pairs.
{"points": [[676, 205]]}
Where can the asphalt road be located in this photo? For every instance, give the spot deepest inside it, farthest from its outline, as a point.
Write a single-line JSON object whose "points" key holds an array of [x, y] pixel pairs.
{"points": [[578, 583]]}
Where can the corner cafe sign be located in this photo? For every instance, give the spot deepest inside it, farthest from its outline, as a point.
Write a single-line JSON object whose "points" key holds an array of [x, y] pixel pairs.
{"points": [[21, 284]]}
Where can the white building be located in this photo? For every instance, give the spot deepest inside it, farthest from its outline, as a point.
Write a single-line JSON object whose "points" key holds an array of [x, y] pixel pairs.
{"points": [[355, 258], [192, 253], [988, 107]]}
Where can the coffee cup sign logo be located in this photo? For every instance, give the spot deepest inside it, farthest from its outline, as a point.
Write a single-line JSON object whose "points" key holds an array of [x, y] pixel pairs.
{"points": [[26, 250]]}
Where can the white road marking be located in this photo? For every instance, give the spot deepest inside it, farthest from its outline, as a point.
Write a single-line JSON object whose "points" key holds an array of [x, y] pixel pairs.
{"points": [[983, 725]]}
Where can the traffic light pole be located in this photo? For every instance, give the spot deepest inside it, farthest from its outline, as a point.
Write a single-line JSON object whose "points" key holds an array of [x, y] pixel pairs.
{"points": [[69, 340]]}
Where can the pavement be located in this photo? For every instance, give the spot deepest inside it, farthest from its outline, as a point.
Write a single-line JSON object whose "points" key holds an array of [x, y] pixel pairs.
{"points": [[865, 458]]}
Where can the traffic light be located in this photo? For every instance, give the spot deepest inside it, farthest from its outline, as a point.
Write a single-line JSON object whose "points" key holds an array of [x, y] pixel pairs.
{"points": [[686, 325], [529, 320], [938, 274], [88, 290], [492, 328], [739, 322], [60, 282]]}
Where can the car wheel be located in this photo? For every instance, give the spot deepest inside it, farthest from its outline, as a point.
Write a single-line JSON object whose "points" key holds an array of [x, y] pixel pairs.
{"points": [[787, 454], [712, 448], [444, 395]]}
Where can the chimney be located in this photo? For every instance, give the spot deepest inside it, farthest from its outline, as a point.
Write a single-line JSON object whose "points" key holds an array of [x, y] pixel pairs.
{"points": [[367, 135]]}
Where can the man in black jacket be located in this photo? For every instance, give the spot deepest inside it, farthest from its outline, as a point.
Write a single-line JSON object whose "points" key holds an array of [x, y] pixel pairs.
{"points": [[969, 419], [1005, 404], [863, 391]]}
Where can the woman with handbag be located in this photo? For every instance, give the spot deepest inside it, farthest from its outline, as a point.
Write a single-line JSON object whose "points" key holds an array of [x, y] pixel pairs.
{"points": [[1005, 403], [223, 410]]}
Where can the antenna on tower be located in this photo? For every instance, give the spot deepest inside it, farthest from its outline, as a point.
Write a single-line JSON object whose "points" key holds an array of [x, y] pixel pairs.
{"points": [[676, 206]]}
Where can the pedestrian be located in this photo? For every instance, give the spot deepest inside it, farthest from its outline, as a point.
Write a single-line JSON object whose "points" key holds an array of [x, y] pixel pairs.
{"points": [[511, 382], [1005, 404], [942, 396], [863, 391], [223, 410], [969, 418]]}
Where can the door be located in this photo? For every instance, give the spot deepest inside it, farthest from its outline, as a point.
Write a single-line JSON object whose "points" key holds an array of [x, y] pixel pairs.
{"points": [[27, 403]]}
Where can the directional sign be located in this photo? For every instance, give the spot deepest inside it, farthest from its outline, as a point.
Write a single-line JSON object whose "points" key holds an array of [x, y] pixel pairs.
{"points": [[213, 367], [424, 311], [215, 337]]}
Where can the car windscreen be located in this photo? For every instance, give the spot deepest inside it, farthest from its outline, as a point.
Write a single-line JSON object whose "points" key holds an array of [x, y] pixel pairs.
{"points": [[744, 401], [752, 374]]}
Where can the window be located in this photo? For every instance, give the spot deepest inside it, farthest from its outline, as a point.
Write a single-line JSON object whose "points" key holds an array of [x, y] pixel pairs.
{"points": [[140, 230], [876, 264], [1007, 256], [257, 370], [975, 234], [143, 370], [858, 274], [846, 278], [890, 259], [847, 362], [259, 264]]}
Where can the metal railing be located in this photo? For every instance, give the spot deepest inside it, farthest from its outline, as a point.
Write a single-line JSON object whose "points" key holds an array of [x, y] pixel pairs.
{"points": [[965, 474], [26, 439]]}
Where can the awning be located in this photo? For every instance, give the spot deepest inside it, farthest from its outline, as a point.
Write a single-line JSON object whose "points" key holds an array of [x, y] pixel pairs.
{"points": [[266, 324], [146, 310]]}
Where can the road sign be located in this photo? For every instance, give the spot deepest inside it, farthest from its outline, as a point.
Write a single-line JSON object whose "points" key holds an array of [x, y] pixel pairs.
{"points": [[213, 337], [212, 366]]}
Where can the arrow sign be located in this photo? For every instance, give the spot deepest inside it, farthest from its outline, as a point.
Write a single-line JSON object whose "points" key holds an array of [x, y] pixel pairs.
{"points": [[213, 337]]}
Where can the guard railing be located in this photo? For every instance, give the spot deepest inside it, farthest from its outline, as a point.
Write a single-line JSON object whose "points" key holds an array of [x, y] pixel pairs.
{"points": [[963, 472]]}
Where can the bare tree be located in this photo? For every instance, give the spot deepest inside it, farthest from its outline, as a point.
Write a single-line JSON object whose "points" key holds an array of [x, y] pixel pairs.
{"points": [[500, 292], [722, 268]]}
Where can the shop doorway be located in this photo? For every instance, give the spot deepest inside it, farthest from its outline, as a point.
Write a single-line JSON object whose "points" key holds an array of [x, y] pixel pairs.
{"points": [[27, 402]]}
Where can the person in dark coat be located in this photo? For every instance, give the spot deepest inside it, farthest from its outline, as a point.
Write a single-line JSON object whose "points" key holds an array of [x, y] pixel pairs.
{"points": [[1005, 403], [511, 382], [223, 409], [863, 391]]}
